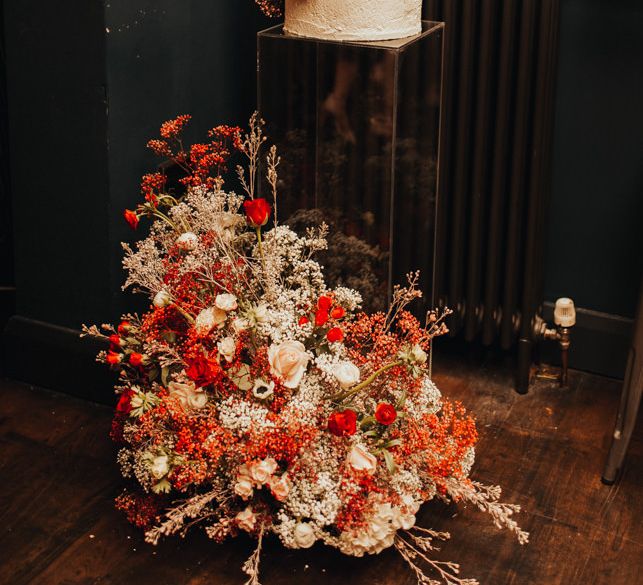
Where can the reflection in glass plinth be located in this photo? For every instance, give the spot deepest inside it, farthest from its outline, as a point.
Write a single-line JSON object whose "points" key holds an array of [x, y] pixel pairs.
{"points": [[357, 127]]}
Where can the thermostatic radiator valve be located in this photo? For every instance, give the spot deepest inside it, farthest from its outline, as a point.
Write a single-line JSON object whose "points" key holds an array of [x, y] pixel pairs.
{"points": [[564, 320]]}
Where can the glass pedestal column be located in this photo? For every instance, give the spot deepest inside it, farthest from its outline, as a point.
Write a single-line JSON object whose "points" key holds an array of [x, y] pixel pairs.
{"points": [[357, 127]]}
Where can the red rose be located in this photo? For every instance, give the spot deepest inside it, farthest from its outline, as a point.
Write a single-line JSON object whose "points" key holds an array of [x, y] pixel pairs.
{"points": [[203, 370], [257, 211], [125, 402], [337, 312], [303, 320], [135, 358], [113, 358], [343, 424], [321, 317], [324, 303], [335, 334], [385, 413], [124, 327], [131, 218]]}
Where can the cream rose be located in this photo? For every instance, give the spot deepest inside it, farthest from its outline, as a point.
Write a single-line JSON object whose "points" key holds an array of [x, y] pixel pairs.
{"points": [[304, 535], [226, 302], [260, 471], [188, 394], [160, 466], [162, 299], [361, 460], [227, 348], [347, 374], [246, 519], [239, 325], [208, 319], [187, 241], [261, 313], [243, 487], [288, 361], [279, 486]]}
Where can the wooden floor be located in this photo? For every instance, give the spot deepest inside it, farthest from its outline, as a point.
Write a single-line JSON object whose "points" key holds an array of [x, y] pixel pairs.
{"points": [[58, 478]]}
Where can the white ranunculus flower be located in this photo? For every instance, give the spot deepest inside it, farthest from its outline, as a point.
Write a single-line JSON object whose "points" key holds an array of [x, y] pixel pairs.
{"points": [[260, 471], [361, 460], [188, 394], [162, 299], [418, 354], [261, 313], [246, 519], [226, 302], [279, 486], [227, 348], [304, 535], [160, 466], [239, 325], [208, 319], [288, 361], [243, 487], [187, 241], [347, 374], [262, 389]]}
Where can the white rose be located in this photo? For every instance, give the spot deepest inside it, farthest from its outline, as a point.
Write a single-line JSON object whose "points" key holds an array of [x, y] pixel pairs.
{"points": [[361, 460], [304, 535], [262, 389], [243, 487], [279, 486], [188, 394], [162, 299], [418, 354], [239, 325], [288, 361], [160, 466], [347, 374], [261, 313], [246, 519], [227, 348], [260, 471], [187, 241], [208, 319], [226, 302]]}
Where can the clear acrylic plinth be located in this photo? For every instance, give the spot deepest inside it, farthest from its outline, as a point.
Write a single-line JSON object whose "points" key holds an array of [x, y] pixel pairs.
{"points": [[357, 128]]}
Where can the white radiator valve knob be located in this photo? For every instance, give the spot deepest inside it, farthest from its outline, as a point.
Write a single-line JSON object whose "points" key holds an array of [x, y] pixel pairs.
{"points": [[564, 312]]}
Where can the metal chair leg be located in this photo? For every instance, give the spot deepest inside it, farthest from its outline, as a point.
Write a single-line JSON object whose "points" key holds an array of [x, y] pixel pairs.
{"points": [[630, 401]]}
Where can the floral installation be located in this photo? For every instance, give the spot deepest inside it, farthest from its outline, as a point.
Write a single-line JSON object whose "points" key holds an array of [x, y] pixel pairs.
{"points": [[254, 398]]}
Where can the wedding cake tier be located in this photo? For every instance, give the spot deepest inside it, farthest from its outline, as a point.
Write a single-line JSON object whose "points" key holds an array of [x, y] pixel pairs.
{"points": [[353, 20]]}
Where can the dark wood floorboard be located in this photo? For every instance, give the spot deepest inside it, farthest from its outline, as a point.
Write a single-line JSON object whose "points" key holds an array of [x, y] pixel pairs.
{"points": [[547, 449]]}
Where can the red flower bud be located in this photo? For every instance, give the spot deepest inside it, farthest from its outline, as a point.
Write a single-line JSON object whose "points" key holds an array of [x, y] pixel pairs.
{"points": [[115, 340], [321, 317], [124, 327], [385, 413], [343, 424], [113, 358], [324, 303], [335, 334], [303, 320], [257, 212], [337, 312], [131, 218], [135, 358], [125, 402]]}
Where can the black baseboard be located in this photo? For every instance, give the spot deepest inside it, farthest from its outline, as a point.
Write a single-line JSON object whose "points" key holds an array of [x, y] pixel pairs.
{"points": [[57, 358], [600, 342]]}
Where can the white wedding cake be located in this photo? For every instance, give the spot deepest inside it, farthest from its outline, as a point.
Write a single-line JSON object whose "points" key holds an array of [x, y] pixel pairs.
{"points": [[353, 20]]}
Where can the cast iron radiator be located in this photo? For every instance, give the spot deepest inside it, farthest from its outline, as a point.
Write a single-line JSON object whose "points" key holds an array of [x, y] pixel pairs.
{"points": [[498, 105]]}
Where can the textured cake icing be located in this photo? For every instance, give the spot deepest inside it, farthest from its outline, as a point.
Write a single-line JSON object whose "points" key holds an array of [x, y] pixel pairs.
{"points": [[353, 20]]}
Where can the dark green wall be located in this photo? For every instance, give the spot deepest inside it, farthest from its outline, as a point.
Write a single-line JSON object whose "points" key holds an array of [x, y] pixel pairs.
{"points": [[595, 241]]}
